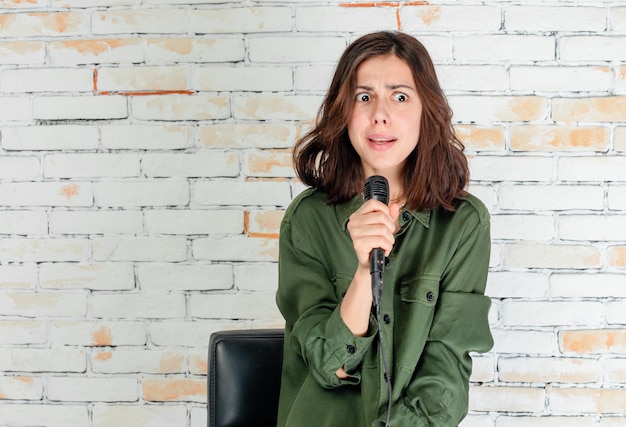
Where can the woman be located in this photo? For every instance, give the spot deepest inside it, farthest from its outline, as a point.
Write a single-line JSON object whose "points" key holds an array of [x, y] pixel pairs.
{"points": [[384, 114]]}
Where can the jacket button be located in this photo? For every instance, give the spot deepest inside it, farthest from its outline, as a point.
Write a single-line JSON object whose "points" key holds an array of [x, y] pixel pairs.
{"points": [[387, 319], [430, 296], [406, 216], [351, 349]]}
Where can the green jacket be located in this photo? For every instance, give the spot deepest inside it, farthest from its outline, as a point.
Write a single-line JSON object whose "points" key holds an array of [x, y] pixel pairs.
{"points": [[433, 313]]}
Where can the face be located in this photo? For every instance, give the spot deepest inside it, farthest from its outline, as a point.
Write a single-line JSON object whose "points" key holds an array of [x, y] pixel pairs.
{"points": [[384, 126]]}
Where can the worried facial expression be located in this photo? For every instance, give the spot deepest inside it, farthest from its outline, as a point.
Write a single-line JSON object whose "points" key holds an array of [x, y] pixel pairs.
{"points": [[384, 125]]}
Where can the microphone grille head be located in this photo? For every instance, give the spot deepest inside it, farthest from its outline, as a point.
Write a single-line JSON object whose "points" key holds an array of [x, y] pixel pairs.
{"points": [[376, 187]]}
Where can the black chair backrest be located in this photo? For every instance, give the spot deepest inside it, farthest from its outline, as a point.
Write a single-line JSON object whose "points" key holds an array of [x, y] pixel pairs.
{"points": [[244, 377]]}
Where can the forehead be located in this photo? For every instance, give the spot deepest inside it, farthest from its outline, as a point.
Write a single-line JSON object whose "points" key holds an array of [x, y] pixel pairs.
{"points": [[388, 68]]}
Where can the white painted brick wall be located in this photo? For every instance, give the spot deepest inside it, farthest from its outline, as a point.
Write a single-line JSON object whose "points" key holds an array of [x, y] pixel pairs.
{"points": [[145, 166]]}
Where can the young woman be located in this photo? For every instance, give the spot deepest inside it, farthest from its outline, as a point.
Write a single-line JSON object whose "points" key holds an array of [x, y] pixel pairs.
{"points": [[384, 114]]}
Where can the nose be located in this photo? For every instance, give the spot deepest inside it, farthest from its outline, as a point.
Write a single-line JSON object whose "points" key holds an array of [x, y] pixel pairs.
{"points": [[380, 114]]}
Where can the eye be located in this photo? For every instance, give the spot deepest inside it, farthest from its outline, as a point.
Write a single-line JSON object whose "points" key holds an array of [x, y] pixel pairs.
{"points": [[362, 97], [400, 97]]}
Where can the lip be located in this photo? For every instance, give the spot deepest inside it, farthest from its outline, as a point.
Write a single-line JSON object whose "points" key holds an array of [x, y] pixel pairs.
{"points": [[381, 141]]}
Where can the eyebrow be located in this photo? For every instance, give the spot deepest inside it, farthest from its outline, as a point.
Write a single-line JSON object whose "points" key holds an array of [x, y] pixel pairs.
{"points": [[390, 87]]}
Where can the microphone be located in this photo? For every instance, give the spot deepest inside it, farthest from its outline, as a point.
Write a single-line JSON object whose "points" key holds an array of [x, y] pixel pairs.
{"points": [[377, 187]]}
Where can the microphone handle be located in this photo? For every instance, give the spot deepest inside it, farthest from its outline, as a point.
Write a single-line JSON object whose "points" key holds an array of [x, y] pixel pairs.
{"points": [[377, 268]]}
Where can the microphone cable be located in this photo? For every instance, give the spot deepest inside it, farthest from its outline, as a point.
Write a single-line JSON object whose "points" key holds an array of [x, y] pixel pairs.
{"points": [[381, 345]]}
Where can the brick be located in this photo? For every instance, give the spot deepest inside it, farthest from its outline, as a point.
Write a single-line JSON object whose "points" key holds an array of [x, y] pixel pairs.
{"points": [[617, 256], [559, 138], [620, 82], [21, 388], [42, 360], [268, 163], [142, 21], [52, 24], [595, 109], [607, 168], [313, 78], [343, 18], [557, 18], [248, 79], [22, 52], [619, 135], [47, 80], [522, 227], [83, 165], [96, 51], [537, 255], [257, 277], [505, 284], [473, 77], [507, 399], [174, 389], [546, 421], [88, 389], [198, 363], [19, 168], [94, 276], [93, 3], [138, 306], [481, 138], [48, 304], [81, 107], [147, 137], [483, 369], [249, 305], [44, 249], [593, 341], [591, 48], [616, 199], [615, 370], [617, 18], [295, 49], [62, 193], [274, 107], [199, 417], [450, 18], [596, 285], [194, 221], [186, 49], [528, 342], [56, 137], [22, 276], [160, 192], [15, 108], [184, 277], [143, 78], [551, 197], [141, 415], [615, 314], [612, 421], [21, 332], [201, 164], [504, 47], [241, 20], [44, 414], [180, 107], [258, 135], [129, 248], [97, 334], [593, 228], [264, 223], [552, 313], [190, 333], [237, 248], [511, 168], [249, 193], [23, 222], [588, 400], [498, 108], [31, 4], [138, 361], [549, 370], [560, 78]]}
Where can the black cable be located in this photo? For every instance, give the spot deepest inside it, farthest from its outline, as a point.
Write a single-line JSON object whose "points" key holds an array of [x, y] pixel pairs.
{"points": [[384, 357]]}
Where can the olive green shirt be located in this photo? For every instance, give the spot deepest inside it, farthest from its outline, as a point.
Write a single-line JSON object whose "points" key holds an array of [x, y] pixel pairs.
{"points": [[433, 314]]}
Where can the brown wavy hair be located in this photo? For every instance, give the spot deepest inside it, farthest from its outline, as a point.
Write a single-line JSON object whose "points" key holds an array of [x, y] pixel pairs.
{"points": [[436, 172]]}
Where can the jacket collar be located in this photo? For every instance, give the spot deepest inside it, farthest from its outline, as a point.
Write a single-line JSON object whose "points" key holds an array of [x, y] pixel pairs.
{"points": [[344, 210]]}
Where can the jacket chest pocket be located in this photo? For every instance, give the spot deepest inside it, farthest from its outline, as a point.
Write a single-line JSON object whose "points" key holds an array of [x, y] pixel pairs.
{"points": [[422, 289]]}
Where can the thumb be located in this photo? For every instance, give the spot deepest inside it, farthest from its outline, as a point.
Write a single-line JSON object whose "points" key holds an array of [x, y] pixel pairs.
{"points": [[394, 210]]}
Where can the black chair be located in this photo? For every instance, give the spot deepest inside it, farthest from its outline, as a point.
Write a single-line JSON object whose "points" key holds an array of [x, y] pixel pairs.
{"points": [[244, 377]]}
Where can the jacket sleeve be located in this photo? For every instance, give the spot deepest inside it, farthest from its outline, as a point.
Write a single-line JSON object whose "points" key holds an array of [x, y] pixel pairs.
{"points": [[307, 299], [438, 392]]}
